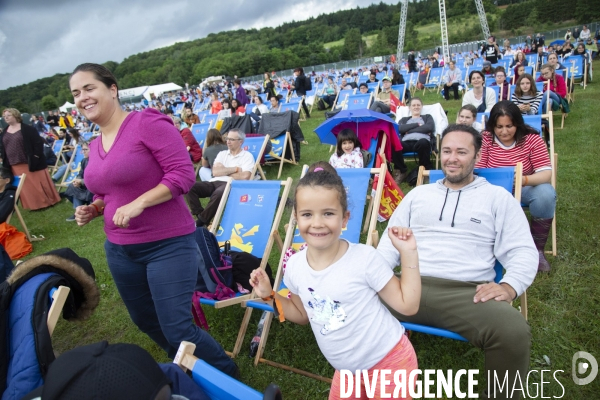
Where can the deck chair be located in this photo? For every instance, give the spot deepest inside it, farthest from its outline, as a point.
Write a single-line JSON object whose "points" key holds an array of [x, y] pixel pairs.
{"points": [[535, 121], [401, 89], [216, 384], [577, 71], [356, 181], [199, 131], [18, 182], [73, 169], [57, 149], [441, 123], [358, 102], [256, 146], [341, 97], [290, 106], [505, 177], [434, 79], [249, 217], [279, 148], [210, 119]]}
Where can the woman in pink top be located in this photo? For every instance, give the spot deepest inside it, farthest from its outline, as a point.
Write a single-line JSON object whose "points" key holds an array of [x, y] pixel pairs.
{"points": [[139, 170]]}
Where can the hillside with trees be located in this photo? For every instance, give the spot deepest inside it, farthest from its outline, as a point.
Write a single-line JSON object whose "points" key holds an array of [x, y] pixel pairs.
{"points": [[301, 43]]}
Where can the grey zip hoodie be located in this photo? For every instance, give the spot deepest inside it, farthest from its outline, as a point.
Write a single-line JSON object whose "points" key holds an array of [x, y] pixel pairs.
{"points": [[461, 233]]}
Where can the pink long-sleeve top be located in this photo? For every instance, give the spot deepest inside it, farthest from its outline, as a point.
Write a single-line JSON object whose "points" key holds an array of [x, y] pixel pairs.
{"points": [[560, 88], [148, 150]]}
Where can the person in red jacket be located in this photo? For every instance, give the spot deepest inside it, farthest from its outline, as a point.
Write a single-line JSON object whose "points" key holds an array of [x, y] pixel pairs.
{"points": [[191, 144], [558, 86]]}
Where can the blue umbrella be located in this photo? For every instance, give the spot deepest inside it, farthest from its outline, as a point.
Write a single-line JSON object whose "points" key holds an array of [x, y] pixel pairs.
{"points": [[325, 130]]}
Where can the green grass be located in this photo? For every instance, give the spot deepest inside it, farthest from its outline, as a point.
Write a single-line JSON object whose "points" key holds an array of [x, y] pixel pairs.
{"points": [[563, 306]]}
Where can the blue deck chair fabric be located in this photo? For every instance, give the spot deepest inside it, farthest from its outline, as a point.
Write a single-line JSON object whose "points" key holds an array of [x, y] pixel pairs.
{"points": [[220, 386], [535, 121], [57, 147], [247, 221], [289, 107], [489, 80], [495, 89], [539, 86], [372, 85], [529, 70], [87, 136], [253, 145], [503, 177], [435, 78], [373, 150], [211, 119], [178, 109], [74, 167], [250, 108], [358, 101], [294, 100], [342, 96], [199, 131]]}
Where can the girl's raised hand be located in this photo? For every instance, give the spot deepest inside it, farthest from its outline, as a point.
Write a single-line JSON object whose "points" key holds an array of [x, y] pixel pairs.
{"points": [[261, 283], [402, 238]]}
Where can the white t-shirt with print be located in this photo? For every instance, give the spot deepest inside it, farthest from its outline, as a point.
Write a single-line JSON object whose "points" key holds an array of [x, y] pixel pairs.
{"points": [[352, 160], [353, 328]]}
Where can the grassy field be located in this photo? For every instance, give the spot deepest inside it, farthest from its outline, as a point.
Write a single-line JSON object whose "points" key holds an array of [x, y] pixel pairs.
{"points": [[563, 306], [368, 39]]}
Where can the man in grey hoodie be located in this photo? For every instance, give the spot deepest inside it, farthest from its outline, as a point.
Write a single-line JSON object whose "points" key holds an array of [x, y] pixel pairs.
{"points": [[462, 225]]}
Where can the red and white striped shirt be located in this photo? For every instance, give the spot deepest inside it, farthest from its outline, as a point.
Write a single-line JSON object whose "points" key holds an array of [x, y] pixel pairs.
{"points": [[532, 153]]}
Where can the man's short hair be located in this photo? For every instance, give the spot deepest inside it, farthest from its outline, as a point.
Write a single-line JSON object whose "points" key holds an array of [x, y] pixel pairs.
{"points": [[241, 134], [477, 139], [363, 84]]}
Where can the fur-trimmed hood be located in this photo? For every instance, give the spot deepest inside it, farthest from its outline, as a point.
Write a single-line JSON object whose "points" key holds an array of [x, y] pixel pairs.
{"points": [[77, 270]]}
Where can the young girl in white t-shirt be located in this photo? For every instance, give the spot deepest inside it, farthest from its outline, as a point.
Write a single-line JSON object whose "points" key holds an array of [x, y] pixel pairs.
{"points": [[347, 154], [335, 285]]}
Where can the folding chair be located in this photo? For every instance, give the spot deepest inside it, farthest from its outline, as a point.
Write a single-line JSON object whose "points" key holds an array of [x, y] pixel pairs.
{"points": [[19, 181], [495, 89], [279, 148], [73, 169], [358, 102], [199, 131], [57, 149], [341, 97], [578, 70], [249, 217], [211, 119], [216, 384], [357, 182], [506, 177], [401, 89], [290, 106], [434, 79], [256, 146]]}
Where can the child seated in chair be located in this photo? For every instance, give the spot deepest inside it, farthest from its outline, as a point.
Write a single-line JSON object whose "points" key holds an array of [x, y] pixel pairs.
{"points": [[340, 317], [347, 154]]}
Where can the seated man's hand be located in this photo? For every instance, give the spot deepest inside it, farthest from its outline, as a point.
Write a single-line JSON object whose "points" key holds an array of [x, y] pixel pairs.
{"points": [[494, 291]]}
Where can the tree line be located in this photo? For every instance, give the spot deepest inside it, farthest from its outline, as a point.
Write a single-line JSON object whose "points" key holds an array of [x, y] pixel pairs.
{"points": [[248, 52]]}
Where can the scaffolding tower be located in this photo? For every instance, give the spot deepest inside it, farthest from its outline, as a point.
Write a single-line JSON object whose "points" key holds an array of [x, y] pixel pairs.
{"points": [[443, 26]]}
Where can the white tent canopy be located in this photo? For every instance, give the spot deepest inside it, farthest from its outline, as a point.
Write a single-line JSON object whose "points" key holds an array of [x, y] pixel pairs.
{"points": [[66, 107], [145, 91]]}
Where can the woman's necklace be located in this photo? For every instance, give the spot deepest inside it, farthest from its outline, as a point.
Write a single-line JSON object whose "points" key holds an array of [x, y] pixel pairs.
{"points": [[313, 263]]}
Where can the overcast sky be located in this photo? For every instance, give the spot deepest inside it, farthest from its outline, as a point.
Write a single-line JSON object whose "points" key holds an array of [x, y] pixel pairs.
{"points": [[40, 38]]}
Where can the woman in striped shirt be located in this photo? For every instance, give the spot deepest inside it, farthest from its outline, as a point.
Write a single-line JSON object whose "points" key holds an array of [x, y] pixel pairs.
{"points": [[526, 96], [507, 141]]}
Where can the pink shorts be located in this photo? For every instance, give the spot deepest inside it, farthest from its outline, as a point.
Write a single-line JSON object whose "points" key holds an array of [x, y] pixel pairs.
{"points": [[401, 357]]}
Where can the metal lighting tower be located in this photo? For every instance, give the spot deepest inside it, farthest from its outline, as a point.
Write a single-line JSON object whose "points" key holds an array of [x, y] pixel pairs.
{"points": [[445, 50], [401, 32], [444, 28], [482, 19]]}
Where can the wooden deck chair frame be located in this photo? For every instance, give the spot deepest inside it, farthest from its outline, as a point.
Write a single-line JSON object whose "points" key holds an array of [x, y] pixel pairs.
{"points": [[59, 297], [30, 237], [216, 384], [273, 236], [59, 156], [257, 166], [554, 164], [370, 223], [287, 141], [62, 183], [517, 187]]}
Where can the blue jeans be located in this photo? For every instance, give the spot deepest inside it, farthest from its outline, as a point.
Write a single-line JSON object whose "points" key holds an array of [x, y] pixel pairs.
{"points": [[76, 202], [541, 200], [60, 172], [156, 281], [555, 100]]}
